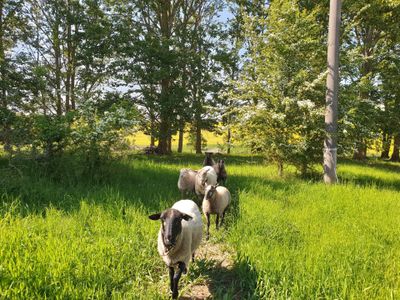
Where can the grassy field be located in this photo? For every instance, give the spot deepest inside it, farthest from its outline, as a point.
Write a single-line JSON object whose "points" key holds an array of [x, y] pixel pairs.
{"points": [[63, 235], [214, 142]]}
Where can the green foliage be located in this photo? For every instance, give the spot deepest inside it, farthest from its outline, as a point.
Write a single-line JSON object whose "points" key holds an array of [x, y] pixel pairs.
{"points": [[51, 133], [370, 37], [282, 83], [97, 132]]}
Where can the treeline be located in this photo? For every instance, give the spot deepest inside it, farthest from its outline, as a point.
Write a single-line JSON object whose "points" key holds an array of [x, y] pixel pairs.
{"points": [[75, 73], [69, 60]]}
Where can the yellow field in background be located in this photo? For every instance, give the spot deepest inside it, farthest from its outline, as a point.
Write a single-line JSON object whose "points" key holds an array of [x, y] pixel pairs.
{"points": [[142, 140]]}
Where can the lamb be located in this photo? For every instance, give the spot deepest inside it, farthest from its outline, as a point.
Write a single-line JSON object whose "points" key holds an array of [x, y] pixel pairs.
{"points": [[205, 176], [216, 201], [186, 181], [178, 238]]}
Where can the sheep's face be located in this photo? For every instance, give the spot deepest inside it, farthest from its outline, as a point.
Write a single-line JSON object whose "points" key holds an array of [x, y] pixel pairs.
{"points": [[171, 225], [210, 192]]}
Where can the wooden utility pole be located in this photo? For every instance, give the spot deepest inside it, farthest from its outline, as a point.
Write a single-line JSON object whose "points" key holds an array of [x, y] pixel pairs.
{"points": [[332, 86]]}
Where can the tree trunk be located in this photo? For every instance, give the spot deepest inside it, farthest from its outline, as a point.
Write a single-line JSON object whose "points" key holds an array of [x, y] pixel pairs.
{"points": [[165, 117], [386, 140], [180, 140], [198, 138], [73, 67], [163, 137], [6, 139], [360, 151], [169, 143], [69, 60], [152, 129], [3, 101], [164, 18], [228, 141], [332, 86], [280, 169], [57, 63], [396, 147]]}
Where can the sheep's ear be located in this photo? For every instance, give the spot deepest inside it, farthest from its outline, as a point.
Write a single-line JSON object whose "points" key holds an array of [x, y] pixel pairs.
{"points": [[186, 217], [155, 217]]}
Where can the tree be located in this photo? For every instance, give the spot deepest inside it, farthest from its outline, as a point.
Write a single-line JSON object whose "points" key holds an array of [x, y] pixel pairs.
{"points": [[12, 30], [282, 85], [332, 85], [367, 26], [162, 57]]}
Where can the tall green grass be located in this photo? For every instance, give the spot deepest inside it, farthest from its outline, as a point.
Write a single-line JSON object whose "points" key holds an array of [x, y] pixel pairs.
{"points": [[65, 235], [307, 240]]}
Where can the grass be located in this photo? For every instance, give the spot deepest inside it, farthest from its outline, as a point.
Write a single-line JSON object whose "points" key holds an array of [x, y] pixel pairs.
{"points": [[69, 236]]}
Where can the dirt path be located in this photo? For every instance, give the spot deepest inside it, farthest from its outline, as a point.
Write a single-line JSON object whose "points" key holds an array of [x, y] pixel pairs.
{"points": [[213, 274]]}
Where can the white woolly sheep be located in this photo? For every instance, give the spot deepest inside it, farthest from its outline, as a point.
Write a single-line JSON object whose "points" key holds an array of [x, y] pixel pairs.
{"points": [[205, 176], [216, 201], [186, 181], [178, 238]]}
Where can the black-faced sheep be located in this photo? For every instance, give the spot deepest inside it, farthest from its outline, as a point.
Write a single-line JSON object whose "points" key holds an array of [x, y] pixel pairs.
{"points": [[205, 176], [178, 238], [215, 202], [219, 167], [208, 161]]}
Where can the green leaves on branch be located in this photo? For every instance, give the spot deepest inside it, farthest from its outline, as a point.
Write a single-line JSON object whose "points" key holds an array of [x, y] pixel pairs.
{"points": [[282, 84]]}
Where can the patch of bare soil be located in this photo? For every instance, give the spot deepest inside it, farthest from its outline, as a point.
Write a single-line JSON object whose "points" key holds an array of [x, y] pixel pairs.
{"points": [[213, 269]]}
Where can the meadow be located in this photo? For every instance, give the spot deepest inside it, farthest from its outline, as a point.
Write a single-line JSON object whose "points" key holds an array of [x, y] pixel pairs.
{"points": [[65, 235]]}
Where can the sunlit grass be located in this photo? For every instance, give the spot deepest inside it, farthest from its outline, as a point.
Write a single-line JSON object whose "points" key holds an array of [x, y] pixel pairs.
{"points": [[67, 237]]}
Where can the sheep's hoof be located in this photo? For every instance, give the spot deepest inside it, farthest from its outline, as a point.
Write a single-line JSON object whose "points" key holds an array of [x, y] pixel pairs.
{"points": [[207, 237], [175, 295]]}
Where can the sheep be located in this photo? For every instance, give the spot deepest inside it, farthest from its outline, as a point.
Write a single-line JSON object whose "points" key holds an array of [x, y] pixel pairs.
{"points": [[179, 236], [205, 176], [216, 201], [186, 181], [219, 167], [208, 161]]}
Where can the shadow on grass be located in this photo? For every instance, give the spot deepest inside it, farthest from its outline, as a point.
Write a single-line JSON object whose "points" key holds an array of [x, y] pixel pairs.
{"points": [[148, 183], [237, 281], [366, 180], [197, 159], [132, 184], [379, 164]]}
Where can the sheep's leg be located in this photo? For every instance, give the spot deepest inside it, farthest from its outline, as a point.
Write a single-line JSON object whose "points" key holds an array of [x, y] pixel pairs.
{"points": [[223, 217], [216, 222], [193, 257], [208, 226], [171, 278], [177, 276]]}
